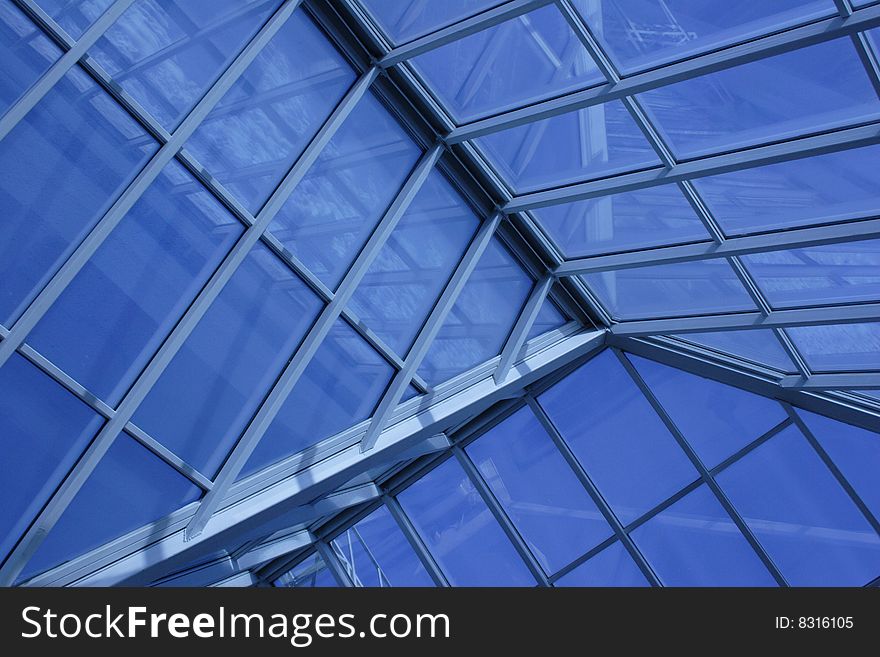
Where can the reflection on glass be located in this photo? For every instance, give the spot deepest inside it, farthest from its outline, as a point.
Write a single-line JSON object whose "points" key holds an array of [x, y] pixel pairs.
{"points": [[760, 346], [404, 20], [309, 573], [613, 566], [75, 16], [25, 51], [838, 347]]}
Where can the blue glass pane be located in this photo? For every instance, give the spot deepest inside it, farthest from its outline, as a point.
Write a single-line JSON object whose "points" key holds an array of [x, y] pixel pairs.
{"points": [[60, 169], [25, 51], [521, 61], [618, 438], [340, 387], [166, 53], [211, 389], [482, 317], [760, 346], [640, 34], [835, 273], [43, 430], [855, 452], [311, 572], [801, 515], [257, 131], [120, 307], [818, 88], [590, 143], [75, 16], [839, 347], [715, 419], [403, 283], [549, 318], [376, 553], [685, 288], [130, 488], [460, 531], [611, 567], [812, 190], [538, 490], [333, 210], [695, 543], [622, 222], [403, 20]]}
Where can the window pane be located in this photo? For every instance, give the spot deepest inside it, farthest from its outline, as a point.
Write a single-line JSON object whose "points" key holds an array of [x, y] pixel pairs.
{"points": [[521, 61], [482, 317], [622, 222], [60, 169], [685, 288], [715, 419], [834, 273], [335, 208], [549, 318], [695, 543], [839, 347], [590, 143], [75, 16], [401, 286], [311, 572], [814, 89], [206, 396], [127, 299], [812, 190], [340, 387], [758, 345], [618, 438], [404, 20], [538, 490], [263, 123], [855, 452], [25, 51], [166, 53], [611, 567], [376, 553], [43, 430], [130, 488], [801, 515], [642, 34], [461, 532]]}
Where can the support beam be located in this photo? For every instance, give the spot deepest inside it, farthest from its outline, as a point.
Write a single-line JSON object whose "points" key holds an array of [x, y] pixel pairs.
{"points": [[273, 548], [517, 339], [841, 381]]}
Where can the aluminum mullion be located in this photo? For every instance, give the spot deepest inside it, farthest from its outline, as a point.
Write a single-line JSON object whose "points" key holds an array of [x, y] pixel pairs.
{"points": [[331, 561], [517, 339], [831, 381], [412, 536], [87, 248], [429, 331]]}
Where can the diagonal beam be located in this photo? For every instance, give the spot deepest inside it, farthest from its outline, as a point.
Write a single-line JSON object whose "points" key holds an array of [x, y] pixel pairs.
{"points": [[514, 345]]}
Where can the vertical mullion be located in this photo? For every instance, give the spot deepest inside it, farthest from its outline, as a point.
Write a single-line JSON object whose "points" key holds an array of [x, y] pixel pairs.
{"points": [[331, 561], [415, 541]]}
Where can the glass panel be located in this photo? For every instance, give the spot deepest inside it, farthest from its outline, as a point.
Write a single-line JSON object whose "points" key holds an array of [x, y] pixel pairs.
{"points": [[263, 123], [166, 53], [812, 190], [685, 288], [549, 318], [835, 273], [590, 143], [640, 34], [404, 20], [340, 387], [715, 419], [311, 572], [25, 51], [43, 430], [75, 16], [126, 300], [401, 286], [482, 317], [538, 490], [618, 438], [839, 347], [130, 488], [460, 531], [622, 222], [335, 208], [209, 392], [695, 543], [611, 567], [814, 89], [760, 346], [855, 452], [801, 515], [518, 62], [376, 553], [60, 169]]}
